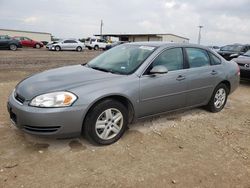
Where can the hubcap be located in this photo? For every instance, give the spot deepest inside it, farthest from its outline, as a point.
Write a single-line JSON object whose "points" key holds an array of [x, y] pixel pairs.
{"points": [[109, 124], [12, 47], [220, 98]]}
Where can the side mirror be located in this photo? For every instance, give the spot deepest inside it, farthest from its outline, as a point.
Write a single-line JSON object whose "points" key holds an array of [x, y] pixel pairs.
{"points": [[159, 69]]}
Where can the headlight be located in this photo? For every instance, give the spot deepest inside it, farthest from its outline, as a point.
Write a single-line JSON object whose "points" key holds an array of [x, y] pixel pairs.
{"points": [[53, 100]]}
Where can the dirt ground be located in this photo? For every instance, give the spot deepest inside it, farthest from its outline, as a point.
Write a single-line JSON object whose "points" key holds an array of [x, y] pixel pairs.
{"points": [[193, 148]]}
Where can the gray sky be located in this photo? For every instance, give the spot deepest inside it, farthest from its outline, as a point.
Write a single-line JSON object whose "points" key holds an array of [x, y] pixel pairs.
{"points": [[225, 21]]}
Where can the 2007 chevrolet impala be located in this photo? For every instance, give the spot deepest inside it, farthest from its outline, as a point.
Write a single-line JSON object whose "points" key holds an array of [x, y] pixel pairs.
{"points": [[128, 82]]}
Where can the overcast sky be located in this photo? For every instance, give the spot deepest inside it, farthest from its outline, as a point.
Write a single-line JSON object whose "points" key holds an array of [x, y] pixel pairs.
{"points": [[224, 21]]}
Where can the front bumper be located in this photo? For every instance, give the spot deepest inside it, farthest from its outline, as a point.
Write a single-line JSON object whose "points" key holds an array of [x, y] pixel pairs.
{"points": [[244, 72], [54, 122]]}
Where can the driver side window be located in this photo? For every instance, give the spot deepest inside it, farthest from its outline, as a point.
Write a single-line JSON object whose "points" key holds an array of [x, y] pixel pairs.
{"points": [[172, 59]]}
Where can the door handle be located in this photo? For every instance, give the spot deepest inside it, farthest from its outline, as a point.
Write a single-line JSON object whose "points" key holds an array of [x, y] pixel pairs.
{"points": [[180, 78], [214, 72]]}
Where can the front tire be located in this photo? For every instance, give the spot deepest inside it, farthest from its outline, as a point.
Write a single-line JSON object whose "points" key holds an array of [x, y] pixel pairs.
{"points": [[218, 99], [106, 122], [57, 48]]}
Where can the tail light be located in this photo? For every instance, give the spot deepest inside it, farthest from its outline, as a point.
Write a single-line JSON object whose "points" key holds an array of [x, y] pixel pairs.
{"points": [[238, 71]]}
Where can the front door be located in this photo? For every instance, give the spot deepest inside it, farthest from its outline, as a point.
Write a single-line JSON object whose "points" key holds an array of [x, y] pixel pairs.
{"points": [[164, 92]]}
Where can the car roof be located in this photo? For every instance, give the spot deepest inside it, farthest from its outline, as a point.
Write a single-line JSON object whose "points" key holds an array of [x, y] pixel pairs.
{"points": [[168, 44]]}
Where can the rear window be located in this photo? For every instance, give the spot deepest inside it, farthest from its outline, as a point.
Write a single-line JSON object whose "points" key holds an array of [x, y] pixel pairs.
{"points": [[214, 59], [197, 57]]}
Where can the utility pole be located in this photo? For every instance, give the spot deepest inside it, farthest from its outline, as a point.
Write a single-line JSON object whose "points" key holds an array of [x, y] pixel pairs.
{"points": [[101, 28], [199, 36]]}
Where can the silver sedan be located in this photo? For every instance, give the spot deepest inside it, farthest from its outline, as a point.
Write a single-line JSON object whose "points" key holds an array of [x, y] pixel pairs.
{"points": [[68, 44], [128, 82]]}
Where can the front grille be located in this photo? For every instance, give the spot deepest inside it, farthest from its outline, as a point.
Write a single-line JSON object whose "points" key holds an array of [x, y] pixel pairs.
{"points": [[41, 129], [19, 98]]}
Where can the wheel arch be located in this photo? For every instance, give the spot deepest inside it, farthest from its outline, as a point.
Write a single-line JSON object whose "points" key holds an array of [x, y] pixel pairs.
{"points": [[120, 98], [227, 83]]}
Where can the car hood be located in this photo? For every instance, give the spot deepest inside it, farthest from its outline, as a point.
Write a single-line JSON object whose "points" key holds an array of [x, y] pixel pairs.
{"points": [[60, 79], [242, 60]]}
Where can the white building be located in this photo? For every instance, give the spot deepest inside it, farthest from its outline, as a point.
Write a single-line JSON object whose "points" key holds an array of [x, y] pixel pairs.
{"points": [[148, 37], [38, 36]]}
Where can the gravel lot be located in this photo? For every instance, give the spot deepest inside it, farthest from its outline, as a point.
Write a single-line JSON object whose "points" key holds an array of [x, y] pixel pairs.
{"points": [[193, 148]]}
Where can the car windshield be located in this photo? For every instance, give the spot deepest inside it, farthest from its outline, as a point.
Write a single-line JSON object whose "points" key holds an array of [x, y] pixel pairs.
{"points": [[247, 53], [124, 59], [233, 48]]}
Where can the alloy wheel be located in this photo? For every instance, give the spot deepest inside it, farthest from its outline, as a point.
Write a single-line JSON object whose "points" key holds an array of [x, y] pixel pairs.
{"points": [[220, 98], [109, 124]]}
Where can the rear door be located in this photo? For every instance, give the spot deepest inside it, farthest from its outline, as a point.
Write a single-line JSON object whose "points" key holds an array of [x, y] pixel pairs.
{"points": [[164, 92], [202, 76], [26, 42], [69, 45]]}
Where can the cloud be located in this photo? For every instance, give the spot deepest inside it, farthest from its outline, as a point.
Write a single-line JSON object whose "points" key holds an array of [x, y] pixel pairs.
{"points": [[30, 20]]}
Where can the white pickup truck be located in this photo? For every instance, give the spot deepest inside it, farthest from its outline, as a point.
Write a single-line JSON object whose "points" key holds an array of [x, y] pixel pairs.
{"points": [[93, 43]]}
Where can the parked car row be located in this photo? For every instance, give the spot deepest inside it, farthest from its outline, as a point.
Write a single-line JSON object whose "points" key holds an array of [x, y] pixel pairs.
{"points": [[233, 51], [12, 43]]}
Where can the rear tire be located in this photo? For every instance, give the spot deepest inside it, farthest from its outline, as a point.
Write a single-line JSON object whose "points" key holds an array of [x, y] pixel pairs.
{"points": [[13, 47], [106, 122], [79, 49], [218, 99], [38, 46], [96, 47]]}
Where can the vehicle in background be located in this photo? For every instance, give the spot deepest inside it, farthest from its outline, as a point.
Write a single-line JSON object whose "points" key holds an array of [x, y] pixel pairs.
{"points": [[128, 82], [69, 44], [244, 63], [112, 45], [7, 42], [215, 48], [96, 44], [50, 44], [27, 42], [45, 43], [233, 51]]}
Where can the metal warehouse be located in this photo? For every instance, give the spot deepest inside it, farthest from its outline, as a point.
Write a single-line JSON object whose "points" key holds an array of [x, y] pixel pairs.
{"points": [[148, 37], [38, 36]]}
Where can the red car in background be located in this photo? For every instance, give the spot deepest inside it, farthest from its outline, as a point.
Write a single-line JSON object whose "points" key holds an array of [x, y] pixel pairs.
{"points": [[27, 42]]}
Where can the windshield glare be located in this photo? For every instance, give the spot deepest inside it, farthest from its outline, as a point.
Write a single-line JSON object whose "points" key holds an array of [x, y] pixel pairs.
{"points": [[233, 48], [124, 59]]}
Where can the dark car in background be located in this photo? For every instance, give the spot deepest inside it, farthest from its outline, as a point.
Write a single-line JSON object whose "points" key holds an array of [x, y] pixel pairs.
{"points": [[9, 43], [27, 42], [233, 51], [244, 63]]}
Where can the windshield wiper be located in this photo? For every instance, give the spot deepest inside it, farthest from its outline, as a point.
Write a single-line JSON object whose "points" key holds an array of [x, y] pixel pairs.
{"points": [[101, 69]]}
